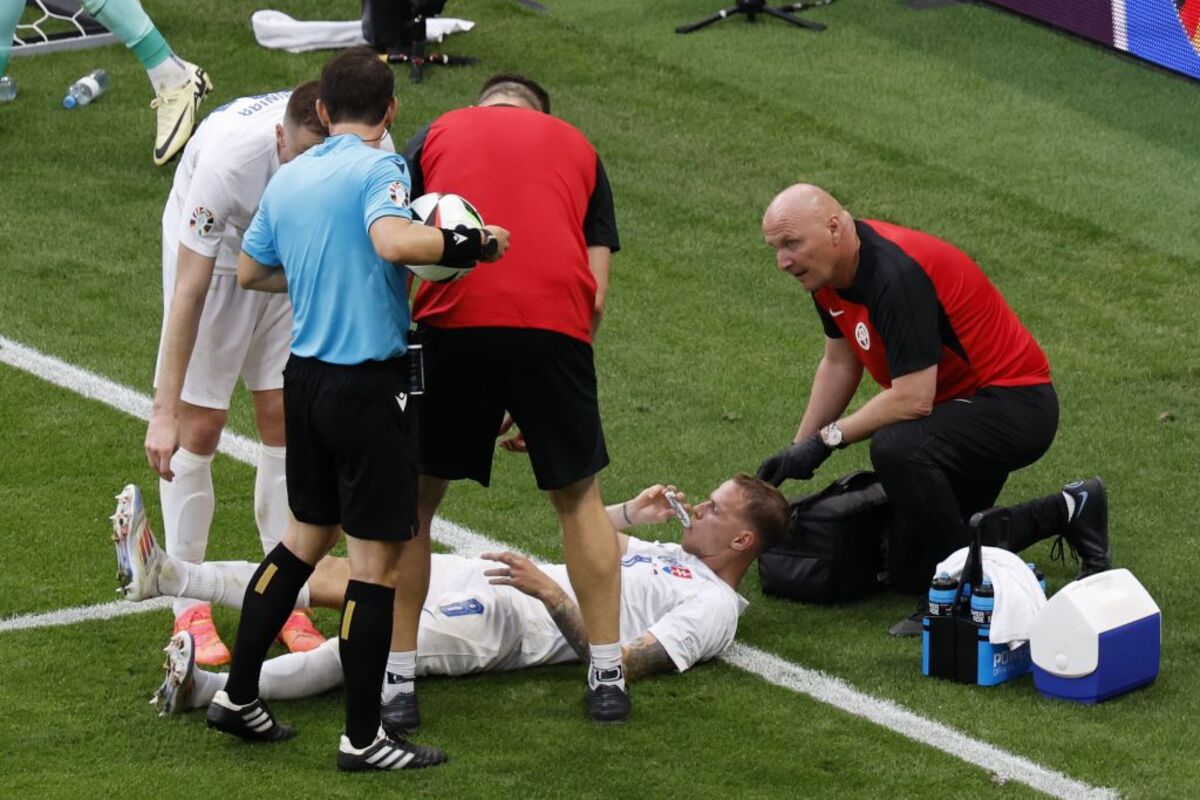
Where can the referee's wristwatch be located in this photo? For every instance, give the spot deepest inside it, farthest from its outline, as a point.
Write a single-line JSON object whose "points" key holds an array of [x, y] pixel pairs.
{"points": [[831, 435], [488, 244]]}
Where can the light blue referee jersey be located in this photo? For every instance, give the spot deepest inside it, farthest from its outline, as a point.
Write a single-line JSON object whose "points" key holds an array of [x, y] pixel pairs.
{"points": [[348, 304]]}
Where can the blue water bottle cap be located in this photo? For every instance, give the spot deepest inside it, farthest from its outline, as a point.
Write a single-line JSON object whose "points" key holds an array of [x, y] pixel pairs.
{"points": [[69, 101]]}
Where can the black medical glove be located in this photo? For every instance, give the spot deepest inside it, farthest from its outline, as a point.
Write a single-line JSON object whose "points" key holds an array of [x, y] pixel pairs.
{"points": [[798, 461]]}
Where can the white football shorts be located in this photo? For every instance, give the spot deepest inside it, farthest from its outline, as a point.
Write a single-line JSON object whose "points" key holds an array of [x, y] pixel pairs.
{"points": [[242, 334]]}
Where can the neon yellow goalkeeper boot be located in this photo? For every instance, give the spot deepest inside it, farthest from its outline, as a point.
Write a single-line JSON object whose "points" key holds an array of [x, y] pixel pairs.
{"points": [[177, 113]]}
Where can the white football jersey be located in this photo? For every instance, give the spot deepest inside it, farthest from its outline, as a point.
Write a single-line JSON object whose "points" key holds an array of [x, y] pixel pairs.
{"points": [[222, 175], [469, 625]]}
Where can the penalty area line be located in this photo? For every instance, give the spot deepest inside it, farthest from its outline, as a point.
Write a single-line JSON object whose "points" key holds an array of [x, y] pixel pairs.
{"points": [[770, 668]]}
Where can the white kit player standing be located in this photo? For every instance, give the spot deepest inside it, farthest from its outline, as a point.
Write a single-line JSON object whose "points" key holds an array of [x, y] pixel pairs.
{"points": [[214, 332]]}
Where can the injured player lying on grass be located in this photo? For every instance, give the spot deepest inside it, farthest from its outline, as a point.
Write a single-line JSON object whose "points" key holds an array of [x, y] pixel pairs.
{"points": [[501, 611]]}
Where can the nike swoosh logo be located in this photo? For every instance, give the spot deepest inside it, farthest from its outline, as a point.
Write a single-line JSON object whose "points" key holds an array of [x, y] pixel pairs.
{"points": [[1083, 496], [837, 313], [402, 401]]}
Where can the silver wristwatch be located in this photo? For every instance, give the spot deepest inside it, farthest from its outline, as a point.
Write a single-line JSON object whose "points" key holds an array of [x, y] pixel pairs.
{"points": [[831, 435]]}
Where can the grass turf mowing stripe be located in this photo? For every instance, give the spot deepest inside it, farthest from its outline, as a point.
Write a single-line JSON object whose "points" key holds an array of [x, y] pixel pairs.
{"points": [[770, 668]]}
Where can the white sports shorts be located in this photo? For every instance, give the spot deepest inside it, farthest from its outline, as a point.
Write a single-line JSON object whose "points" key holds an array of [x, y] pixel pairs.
{"points": [[242, 334]]}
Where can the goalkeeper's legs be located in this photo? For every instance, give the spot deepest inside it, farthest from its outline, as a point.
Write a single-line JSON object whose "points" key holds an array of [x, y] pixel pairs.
{"points": [[180, 85], [10, 15]]}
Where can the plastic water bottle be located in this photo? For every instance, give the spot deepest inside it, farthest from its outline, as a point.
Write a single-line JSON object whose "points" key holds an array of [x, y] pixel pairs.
{"points": [[8, 89], [941, 604], [87, 89], [982, 603], [941, 595], [1037, 573]]}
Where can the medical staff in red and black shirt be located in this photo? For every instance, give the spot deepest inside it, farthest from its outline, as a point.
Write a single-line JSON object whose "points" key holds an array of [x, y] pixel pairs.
{"points": [[966, 394], [516, 337]]}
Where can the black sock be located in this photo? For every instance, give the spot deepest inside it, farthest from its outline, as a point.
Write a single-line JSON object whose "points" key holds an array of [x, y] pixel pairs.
{"points": [[1035, 520], [270, 597], [364, 639]]}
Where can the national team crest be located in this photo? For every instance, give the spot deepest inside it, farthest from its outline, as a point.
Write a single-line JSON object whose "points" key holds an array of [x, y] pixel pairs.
{"points": [[399, 193], [862, 335], [202, 221], [677, 571]]}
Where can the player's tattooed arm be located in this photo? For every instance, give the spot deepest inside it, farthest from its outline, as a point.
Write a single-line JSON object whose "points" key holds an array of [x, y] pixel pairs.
{"points": [[643, 656], [523, 575], [567, 617], [646, 656]]}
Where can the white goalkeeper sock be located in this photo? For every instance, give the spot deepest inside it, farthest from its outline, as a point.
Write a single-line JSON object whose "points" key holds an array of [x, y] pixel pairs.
{"points": [[297, 675], [270, 496], [170, 74], [187, 506], [220, 582]]}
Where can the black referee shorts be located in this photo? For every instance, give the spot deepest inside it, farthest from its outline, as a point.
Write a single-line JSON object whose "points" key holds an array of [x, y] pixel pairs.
{"points": [[352, 447], [546, 380]]}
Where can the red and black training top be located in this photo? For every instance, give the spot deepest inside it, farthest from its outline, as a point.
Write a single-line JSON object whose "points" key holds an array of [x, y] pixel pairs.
{"points": [[917, 301], [540, 178]]}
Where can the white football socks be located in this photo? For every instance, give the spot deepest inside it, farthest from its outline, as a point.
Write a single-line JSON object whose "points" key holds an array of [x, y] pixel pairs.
{"points": [[399, 677], [207, 684], [296, 675], [220, 582], [187, 506], [606, 665], [270, 495]]}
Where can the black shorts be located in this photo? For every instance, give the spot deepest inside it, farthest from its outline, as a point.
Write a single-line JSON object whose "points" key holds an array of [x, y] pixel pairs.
{"points": [[352, 447], [546, 380]]}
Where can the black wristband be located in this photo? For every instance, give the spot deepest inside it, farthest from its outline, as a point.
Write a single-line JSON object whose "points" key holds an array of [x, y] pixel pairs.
{"points": [[461, 247]]}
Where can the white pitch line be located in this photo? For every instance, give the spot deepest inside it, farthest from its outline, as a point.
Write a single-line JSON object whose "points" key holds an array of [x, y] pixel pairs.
{"points": [[771, 668], [887, 714], [69, 616]]}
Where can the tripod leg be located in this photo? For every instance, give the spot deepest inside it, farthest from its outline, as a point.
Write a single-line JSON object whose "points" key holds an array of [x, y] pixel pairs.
{"points": [[786, 17], [704, 23]]}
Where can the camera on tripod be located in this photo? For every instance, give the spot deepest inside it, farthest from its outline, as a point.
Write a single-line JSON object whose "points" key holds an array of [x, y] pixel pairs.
{"points": [[396, 29]]}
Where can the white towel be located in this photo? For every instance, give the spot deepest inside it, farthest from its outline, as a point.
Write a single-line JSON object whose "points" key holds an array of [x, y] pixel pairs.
{"points": [[278, 31], [1019, 596]]}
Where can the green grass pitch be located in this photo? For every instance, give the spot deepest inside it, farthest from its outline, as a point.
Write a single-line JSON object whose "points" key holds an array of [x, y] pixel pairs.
{"points": [[1067, 171]]}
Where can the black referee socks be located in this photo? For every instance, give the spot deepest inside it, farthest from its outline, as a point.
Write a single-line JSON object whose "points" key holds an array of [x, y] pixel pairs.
{"points": [[365, 637], [270, 597]]}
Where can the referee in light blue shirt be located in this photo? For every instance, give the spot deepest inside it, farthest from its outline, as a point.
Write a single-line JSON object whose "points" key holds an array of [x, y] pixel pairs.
{"points": [[331, 229]]}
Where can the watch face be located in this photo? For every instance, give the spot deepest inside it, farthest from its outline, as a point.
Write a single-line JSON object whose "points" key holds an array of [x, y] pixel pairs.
{"points": [[832, 435]]}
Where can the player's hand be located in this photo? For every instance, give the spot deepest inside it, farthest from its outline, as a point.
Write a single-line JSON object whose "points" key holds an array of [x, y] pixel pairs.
{"points": [[650, 507], [521, 574], [501, 236], [162, 440], [798, 461], [514, 443]]}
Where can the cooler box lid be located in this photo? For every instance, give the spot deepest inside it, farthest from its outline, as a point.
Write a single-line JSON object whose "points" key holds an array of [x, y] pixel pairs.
{"points": [[1064, 638]]}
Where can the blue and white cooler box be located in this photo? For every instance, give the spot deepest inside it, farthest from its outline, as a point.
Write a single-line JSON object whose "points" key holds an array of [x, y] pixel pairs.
{"points": [[1097, 638]]}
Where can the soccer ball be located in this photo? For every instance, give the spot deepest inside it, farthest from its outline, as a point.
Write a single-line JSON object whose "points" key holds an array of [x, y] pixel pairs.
{"points": [[443, 211]]}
